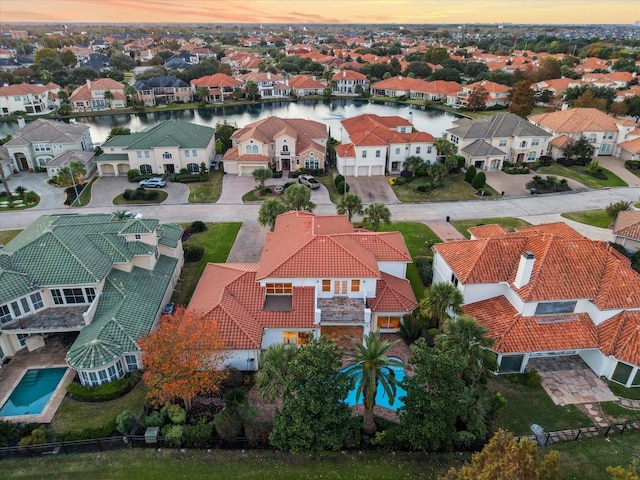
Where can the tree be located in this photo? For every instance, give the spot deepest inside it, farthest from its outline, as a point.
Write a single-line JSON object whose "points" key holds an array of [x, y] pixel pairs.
{"points": [[298, 197], [71, 175], [108, 96], [202, 93], [581, 151], [588, 100], [550, 67], [274, 367], [68, 58], [122, 62], [260, 175], [252, 90], [521, 98], [470, 174], [375, 214], [440, 299], [412, 164], [436, 55], [477, 99], [118, 130], [5, 184], [621, 473], [445, 148], [616, 207], [618, 109], [350, 204], [372, 368], [269, 211], [633, 106], [479, 180], [314, 416], [45, 53], [224, 130], [183, 358], [505, 458]]}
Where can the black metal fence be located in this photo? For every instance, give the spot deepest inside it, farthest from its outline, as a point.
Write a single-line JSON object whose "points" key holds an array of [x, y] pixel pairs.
{"points": [[549, 438]]}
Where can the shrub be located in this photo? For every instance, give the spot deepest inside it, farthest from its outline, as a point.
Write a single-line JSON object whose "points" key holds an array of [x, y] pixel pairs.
{"points": [[545, 160], [565, 161], [7, 430], [133, 174], [426, 188], [342, 187], [410, 329], [234, 378], [38, 436], [228, 424], [632, 164], [173, 434], [186, 177], [294, 174], [154, 419], [102, 431], [470, 174], [339, 179], [198, 435], [406, 174], [125, 422], [402, 180], [594, 167], [425, 268], [176, 414], [531, 379], [193, 253], [616, 207], [479, 181], [198, 226], [106, 391], [277, 174]]}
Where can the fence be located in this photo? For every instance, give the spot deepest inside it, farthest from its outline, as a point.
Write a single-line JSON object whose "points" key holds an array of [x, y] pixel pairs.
{"points": [[550, 438]]}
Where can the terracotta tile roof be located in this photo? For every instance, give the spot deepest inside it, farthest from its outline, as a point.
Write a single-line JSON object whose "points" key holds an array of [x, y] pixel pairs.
{"points": [[620, 336], [25, 89], [303, 81], [346, 150], [627, 224], [491, 87], [307, 133], [487, 231], [400, 83], [374, 130], [576, 120], [393, 294], [349, 75], [216, 80], [514, 333]]}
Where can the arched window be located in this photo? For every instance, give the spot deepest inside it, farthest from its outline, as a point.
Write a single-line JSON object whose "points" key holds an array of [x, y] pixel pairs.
{"points": [[311, 162], [247, 149], [285, 148], [592, 138], [255, 149], [145, 169], [193, 167], [166, 155]]}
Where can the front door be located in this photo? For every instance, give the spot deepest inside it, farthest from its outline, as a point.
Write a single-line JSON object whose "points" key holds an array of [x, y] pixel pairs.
{"points": [[24, 164], [340, 287], [169, 168]]}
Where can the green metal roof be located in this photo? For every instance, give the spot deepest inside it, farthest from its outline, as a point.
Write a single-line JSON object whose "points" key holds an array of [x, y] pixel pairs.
{"points": [[112, 157], [169, 234], [170, 133]]}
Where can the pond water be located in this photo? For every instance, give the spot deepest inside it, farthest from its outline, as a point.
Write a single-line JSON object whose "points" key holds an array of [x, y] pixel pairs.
{"points": [[330, 112]]}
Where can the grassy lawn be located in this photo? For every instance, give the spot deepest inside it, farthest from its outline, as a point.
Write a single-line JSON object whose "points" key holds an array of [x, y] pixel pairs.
{"points": [[119, 200], [595, 218], [455, 189], [7, 235], [327, 181], [510, 223], [18, 202], [85, 196], [624, 392], [73, 415], [581, 175], [618, 413], [217, 242], [209, 191], [528, 405]]}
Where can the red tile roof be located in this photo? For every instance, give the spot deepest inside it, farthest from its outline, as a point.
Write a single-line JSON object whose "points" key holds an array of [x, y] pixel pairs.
{"points": [[216, 80], [576, 120], [374, 130], [393, 294], [620, 336], [627, 225]]}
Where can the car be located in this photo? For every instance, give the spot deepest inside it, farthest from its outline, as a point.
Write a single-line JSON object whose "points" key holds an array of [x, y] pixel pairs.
{"points": [[308, 181], [154, 182], [169, 308]]}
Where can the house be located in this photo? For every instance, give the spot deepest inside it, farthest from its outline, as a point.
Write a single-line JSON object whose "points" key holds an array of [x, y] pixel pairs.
{"points": [[105, 279], [96, 61], [317, 276], [68, 157], [281, 143], [435, 91], [489, 141], [91, 95], [398, 86], [497, 94], [38, 142], [302, 85], [162, 90], [349, 82], [375, 145], [164, 148], [269, 84], [25, 97], [626, 230], [547, 291], [220, 85]]}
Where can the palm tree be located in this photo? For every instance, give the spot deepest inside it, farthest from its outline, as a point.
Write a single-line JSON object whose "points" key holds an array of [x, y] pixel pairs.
{"points": [[445, 148], [252, 90], [108, 96], [262, 174], [274, 363], [350, 204], [119, 215], [298, 197], [373, 368], [412, 164], [269, 211], [439, 300], [4, 156], [375, 214]]}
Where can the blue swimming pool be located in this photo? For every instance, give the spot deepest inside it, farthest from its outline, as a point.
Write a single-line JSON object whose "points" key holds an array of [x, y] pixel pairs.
{"points": [[381, 397], [33, 392]]}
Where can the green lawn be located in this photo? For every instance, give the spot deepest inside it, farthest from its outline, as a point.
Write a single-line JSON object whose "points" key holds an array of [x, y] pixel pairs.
{"points": [[209, 191], [217, 242], [618, 414], [7, 235], [581, 175], [595, 218], [510, 223], [529, 405], [73, 415], [119, 200], [327, 181], [624, 392], [85, 196], [455, 189]]}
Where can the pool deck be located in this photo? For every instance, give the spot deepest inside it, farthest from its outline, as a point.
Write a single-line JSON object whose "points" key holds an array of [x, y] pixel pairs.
{"points": [[50, 356]]}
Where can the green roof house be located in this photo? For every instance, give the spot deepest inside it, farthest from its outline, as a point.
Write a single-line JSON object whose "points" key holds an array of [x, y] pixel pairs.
{"points": [[164, 148], [105, 278]]}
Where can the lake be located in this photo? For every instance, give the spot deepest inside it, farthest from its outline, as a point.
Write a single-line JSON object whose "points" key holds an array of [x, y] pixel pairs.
{"points": [[330, 112]]}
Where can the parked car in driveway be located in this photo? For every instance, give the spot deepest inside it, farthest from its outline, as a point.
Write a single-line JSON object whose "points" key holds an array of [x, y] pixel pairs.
{"points": [[308, 181], [154, 182]]}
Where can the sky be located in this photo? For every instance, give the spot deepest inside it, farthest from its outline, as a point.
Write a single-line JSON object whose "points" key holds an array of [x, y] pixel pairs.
{"points": [[322, 11]]}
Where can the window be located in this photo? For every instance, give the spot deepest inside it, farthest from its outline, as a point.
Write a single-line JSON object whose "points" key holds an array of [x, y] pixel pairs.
{"points": [[388, 321], [194, 153], [103, 375], [364, 154], [503, 143], [429, 149], [296, 338], [137, 236], [90, 293], [377, 153], [145, 169], [397, 151], [511, 363], [279, 288], [355, 285], [5, 316], [167, 155], [340, 287], [417, 150], [592, 138], [326, 285], [610, 136], [312, 163], [15, 308], [531, 156], [535, 142], [193, 167], [146, 154], [454, 279], [523, 144], [621, 373], [132, 362], [285, 148], [57, 296], [73, 295], [25, 305], [22, 338], [550, 308], [186, 153], [139, 154]]}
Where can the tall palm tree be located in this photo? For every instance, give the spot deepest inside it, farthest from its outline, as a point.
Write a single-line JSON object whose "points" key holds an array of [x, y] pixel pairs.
{"points": [[298, 197], [441, 298], [260, 175], [108, 96], [269, 211], [375, 214], [350, 204], [373, 368], [274, 367], [5, 156]]}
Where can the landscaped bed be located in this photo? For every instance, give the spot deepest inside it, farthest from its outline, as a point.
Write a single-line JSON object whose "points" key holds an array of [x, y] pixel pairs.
{"points": [[161, 197], [27, 199], [209, 191], [454, 188]]}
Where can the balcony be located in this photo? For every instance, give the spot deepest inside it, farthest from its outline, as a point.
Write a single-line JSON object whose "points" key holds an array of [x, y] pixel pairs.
{"points": [[343, 311], [50, 320]]}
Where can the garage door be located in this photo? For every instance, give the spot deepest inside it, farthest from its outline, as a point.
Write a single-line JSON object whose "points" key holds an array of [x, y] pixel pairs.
{"points": [[377, 170], [363, 171], [348, 171]]}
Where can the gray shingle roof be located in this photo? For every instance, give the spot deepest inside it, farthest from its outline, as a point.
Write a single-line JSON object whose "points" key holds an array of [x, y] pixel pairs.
{"points": [[49, 131], [503, 125], [480, 148], [65, 158]]}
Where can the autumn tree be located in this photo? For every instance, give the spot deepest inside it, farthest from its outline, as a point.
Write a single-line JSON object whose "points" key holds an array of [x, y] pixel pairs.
{"points": [[550, 67], [588, 100], [521, 99], [183, 358], [477, 99]]}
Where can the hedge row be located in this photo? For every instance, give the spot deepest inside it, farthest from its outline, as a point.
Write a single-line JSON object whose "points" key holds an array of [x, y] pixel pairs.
{"points": [[632, 164], [104, 392]]}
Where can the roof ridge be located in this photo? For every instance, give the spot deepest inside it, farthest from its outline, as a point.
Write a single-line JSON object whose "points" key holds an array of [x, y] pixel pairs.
{"points": [[354, 256]]}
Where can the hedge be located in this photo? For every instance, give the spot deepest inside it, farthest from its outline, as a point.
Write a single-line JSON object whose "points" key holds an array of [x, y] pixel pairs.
{"points": [[106, 391], [102, 431], [632, 164]]}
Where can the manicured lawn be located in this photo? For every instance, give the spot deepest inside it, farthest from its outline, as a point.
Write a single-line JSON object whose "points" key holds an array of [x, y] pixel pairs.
{"points": [[85, 196], [510, 223], [217, 242], [327, 181], [619, 414], [581, 175], [529, 405], [18, 202], [595, 218], [7, 235], [455, 189], [624, 392], [209, 191], [73, 415], [119, 200]]}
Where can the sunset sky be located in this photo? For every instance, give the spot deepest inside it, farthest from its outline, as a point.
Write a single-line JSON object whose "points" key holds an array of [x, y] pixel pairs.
{"points": [[321, 11]]}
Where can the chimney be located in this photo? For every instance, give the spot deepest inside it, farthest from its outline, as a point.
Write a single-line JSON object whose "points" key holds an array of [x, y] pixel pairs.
{"points": [[525, 267], [89, 84], [268, 75]]}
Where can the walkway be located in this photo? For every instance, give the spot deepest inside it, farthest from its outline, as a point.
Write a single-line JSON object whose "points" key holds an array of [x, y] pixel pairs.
{"points": [[616, 165], [444, 230]]}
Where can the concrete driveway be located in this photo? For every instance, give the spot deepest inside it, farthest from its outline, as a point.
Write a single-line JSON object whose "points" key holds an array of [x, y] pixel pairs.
{"points": [[234, 187], [105, 189], [50, 195], [616, 165], [514, 185], [372, 189]]}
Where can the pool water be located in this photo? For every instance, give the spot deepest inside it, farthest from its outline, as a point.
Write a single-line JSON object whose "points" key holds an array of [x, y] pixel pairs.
{"points": [[381, 397], [33, 392]]}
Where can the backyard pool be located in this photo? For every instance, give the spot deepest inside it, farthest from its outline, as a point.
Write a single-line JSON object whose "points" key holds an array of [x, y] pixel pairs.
{"points": [[381, 397], [33, 392]]}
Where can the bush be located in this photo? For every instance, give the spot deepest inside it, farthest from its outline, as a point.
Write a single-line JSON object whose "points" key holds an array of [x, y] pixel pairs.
{"points": [[198, 435], [189, 178], [106, 391], [193, 253], [140, 193], [425, 268], [402, 180], [173, 434], [470, 174], [198, 226], [410, 329], [406, 174], [133, 174], [294, 174], [277, 174], [531, 379], [154, 419], [479, 181], [632, 164], [102, 431], [426, 188], [234, 378], [565, 161], [228, 424], [342, 187], [339, 179], [616, 207], [125, 422], [7, 430], [545, 160], [176, 414], [38, 436]]}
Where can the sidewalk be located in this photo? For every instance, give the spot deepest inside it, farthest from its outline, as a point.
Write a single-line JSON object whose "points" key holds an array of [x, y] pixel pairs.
{"points": [[445, 230], [594, 233]]}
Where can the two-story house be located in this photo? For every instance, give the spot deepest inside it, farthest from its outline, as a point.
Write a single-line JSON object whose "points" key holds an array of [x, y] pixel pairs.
{"points": [[101, 278], [38, 142], [162, 90], [269, 84], [164, 148], [547, 291], [32, 99], [281, 143], [303, 85], [349, 82], [220, 85], [375, 145], [91, 95], [317, 276], [488, 141], [497, 94]]}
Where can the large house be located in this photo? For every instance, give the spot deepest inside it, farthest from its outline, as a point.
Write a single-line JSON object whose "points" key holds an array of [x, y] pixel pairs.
{"points": [[546, 291], [496, 94], [626, 230], [317, 276], [349, 83], [281, 143], [269, 84], [486, 143], [92, 95], [104, 278], [164, 148], [220, 86], [302, 85], [40, 141], [32, 99], [162, 90], [375, 145]]}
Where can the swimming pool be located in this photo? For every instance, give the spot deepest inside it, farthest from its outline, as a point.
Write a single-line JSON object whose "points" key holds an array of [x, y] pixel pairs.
{"points": [[381, 397], [33, 392]]}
